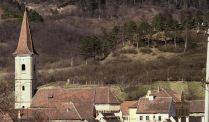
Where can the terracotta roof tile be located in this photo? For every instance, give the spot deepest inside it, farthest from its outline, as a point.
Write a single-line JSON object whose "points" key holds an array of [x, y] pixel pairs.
{"points": [[105, 95], [197, 106], [134, 105], [158, 105], [124, 107], [82, 99], [79, 101], [25, 44]]}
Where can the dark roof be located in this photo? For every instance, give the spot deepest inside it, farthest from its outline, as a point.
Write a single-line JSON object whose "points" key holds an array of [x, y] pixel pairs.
{"points": [[105, 95], [134, 105], [197, 106], [191, 119], [124, 107], [112, 119], [108, 115], [158, 105], [25, 44]]}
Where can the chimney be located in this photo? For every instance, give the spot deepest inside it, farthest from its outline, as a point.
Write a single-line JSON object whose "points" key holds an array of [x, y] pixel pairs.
{"points": [[179, 119], [158, 89], [19, 114], [162, 88], [203, 119], [151, 97], [187, 118]]}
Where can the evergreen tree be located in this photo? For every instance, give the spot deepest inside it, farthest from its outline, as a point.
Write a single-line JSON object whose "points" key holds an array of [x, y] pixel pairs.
{"points": [[147, 30], [131, 29], [90, 47], [198, 17], [186, 21], [158, 22]]}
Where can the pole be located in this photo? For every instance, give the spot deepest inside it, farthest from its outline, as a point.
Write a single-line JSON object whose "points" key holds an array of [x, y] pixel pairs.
{"points": [[207, 84]]}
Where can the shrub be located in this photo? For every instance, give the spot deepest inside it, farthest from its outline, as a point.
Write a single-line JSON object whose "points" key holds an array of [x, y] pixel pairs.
{"points": [[146, 50], [130, 51], [171, 48], [115, 54]]}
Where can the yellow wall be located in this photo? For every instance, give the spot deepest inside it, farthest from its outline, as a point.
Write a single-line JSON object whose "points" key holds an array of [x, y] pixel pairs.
{"points": [[132, 114]]}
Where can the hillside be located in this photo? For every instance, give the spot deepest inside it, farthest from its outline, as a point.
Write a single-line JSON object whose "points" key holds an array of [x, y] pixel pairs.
{"points": [[62, 32]]}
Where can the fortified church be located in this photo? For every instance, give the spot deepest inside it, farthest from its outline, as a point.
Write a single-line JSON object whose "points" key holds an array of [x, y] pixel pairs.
{"points": [[54, 104]]}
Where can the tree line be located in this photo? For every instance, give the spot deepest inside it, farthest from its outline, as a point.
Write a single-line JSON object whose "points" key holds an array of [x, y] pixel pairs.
{"points": [[10, 13], [143, 32]]}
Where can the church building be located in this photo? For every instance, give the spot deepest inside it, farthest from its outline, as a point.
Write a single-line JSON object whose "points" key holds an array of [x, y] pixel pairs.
{"points": [[54, 104]]}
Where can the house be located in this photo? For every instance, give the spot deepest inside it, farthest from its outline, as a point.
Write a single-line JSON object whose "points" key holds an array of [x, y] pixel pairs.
{"points": [[108, 117], [70, 104], [181, 105], [155, 109], [125, 110], [197, 108], [186, 119], [53, 104], [132, 111]]}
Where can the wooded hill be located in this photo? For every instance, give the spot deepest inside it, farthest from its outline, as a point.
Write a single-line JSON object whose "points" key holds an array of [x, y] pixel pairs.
{"points": [[65, 45]]}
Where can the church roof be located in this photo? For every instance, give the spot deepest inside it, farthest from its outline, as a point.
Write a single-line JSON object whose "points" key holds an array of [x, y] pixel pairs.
{"points": [[79, 101], [25, 44]]}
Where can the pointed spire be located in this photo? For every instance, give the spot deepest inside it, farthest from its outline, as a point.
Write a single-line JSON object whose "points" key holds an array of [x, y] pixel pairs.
{"points": [[25, 45]]}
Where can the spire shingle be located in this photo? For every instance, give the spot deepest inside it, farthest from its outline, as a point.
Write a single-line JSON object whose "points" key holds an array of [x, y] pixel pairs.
{"points": [[25, 45]]}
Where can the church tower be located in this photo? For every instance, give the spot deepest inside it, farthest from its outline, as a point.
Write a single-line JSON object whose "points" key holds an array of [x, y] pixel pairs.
{"points": [[25, 68]]}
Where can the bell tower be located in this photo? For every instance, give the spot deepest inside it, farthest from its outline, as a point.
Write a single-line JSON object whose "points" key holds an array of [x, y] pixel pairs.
{"points": [[25, 67]]}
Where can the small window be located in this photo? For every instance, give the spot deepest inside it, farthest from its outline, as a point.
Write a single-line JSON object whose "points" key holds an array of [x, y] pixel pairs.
{"points": [[23, 88], [23, 106], [141, 117], [147, 117], [23, 67], [153, 117], [34, 68], [159, 118]]}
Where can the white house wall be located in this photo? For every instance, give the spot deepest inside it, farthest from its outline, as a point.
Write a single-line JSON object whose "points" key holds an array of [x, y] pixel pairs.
{"points": [[163, 117], [107, 107]]}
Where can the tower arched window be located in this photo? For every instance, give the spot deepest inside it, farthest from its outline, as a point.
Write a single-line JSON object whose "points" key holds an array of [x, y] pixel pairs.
{"points": [[23, 88], [34, 68], [23, 67]]}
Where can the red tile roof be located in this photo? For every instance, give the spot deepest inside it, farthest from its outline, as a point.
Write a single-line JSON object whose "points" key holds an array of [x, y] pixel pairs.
{"points": [[197, 106], [169, 93], [158, 105], [79, 101], [134, 105], [124, 107], [25, 45], [105, 95]]}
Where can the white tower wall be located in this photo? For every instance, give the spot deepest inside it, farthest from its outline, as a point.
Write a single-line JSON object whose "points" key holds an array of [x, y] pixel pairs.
{"points": [[25, 80]]}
